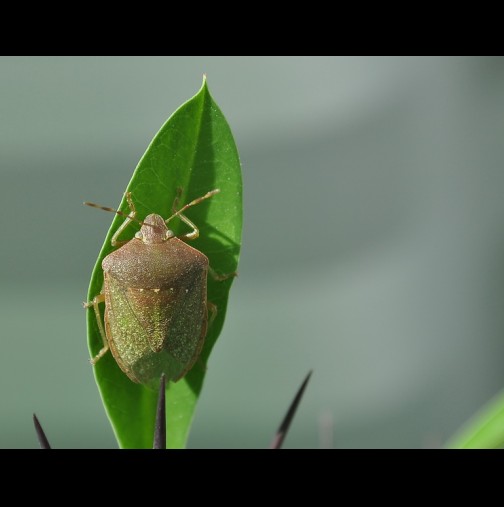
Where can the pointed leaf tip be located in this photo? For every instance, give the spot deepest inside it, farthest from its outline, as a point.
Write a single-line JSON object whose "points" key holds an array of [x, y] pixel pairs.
{"points": [[284, 426], [43, 442], [160, 426]]}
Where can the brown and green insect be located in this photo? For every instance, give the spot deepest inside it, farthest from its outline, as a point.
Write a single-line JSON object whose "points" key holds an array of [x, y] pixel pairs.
{"points": [[155, 295]]}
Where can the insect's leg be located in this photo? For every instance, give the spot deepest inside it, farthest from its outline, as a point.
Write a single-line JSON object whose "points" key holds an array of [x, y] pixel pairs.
{"points": [[190, 235], [126, 222], [212, 313], [94, 304], [195, 231], [220, 278]]}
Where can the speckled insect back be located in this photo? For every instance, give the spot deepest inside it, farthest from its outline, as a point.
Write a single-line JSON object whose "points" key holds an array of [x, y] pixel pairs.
{"points": [[155, 294]]}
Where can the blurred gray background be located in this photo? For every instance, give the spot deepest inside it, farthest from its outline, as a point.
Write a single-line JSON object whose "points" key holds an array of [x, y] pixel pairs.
{"points": [[373, 242]]}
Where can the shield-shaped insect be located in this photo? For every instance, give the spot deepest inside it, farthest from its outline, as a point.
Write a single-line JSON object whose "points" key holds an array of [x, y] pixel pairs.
{"points": [[155, 295]]}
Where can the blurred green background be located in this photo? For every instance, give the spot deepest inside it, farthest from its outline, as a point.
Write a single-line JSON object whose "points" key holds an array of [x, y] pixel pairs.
{"points": [[373, 245]]}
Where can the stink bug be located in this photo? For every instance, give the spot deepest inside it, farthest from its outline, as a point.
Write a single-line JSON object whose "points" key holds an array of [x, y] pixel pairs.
{"points": [[155, 295]]}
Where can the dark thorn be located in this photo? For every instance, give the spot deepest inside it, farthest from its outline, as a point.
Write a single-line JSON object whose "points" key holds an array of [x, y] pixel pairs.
{"points": [[160, 427], [44, 443], [284, 427]]}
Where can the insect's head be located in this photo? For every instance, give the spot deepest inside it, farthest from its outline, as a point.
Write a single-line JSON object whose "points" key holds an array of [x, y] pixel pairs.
{"points": [[154, 230]]}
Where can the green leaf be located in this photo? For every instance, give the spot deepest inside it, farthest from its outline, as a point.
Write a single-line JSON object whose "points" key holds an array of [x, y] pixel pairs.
{"points": [[485, 430], [193, 150]]}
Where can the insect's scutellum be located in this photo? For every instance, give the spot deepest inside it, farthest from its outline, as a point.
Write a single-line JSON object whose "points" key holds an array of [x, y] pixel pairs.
{"points": [[155, 295]]}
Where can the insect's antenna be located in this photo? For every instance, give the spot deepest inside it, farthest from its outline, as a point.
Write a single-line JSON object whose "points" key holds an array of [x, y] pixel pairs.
{"points": [[112, 210], [192, 203]]}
